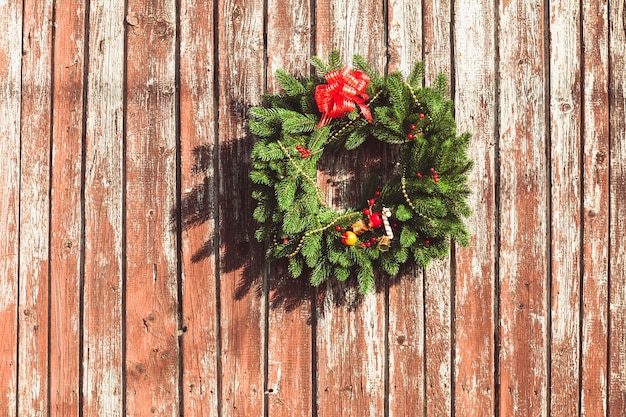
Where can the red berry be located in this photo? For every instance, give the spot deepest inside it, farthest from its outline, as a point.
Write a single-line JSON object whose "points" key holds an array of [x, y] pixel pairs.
{"points": [[373, 239], [366, 211], [372, 202], [412, 127], [376, 193], [436, 179], [421, 115], [427, 241], [418, 175], [338, 228], [285, 240], [410, 136], [432, 170], [368, 244], [362, 245]]}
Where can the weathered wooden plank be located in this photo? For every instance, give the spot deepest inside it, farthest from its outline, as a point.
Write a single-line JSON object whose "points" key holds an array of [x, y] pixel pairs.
{"points": [[242, 310], [405, 35], [10, 96], [406, 346], [436, 27], [595, 200], [406, 365], [289, 339], [197, 209], [66, 221], [524, 232], [617, 262], [102, 353], [437, 16], [350, 340], [475, 302], [565, 192], [34, 209], [152, 348]]}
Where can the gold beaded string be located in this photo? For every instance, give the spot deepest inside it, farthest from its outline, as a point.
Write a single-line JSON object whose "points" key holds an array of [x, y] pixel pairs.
{"points": [[417, 103], [408, 199], [306, 176], [347, 125], [321, 229]]}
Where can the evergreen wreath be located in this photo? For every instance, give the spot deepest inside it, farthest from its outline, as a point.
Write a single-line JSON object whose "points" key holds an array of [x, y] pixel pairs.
{"points": [[410, 218]]}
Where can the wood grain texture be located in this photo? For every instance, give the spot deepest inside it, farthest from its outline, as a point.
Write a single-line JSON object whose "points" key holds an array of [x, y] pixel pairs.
{"points": [[438, 285], [475, 298], [407, 371], [404, 35], [66, 213], [200, 383], [565, 192], [10, 114], [289, 385], [524, 211], [34, 203], [152, 347], [103, 329], [595, 226], [350, 329], [240, 69], [406, 344], [130, 281], [617, 190]]}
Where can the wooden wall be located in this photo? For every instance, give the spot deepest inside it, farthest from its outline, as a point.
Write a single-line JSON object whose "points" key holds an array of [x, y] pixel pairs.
{"points": [[131, 285]]}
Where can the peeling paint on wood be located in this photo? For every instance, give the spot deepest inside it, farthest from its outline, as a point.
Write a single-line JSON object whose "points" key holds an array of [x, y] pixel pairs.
{"points": [[131, 283]]}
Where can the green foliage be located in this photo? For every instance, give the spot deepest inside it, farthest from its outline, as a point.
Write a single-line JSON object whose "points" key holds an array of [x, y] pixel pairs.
{"points": [[427, 197]]}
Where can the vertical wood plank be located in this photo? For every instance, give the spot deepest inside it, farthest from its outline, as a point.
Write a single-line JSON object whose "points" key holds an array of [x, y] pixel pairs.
{"points": [[437, 16], [152, 349], [34, 209], [290, 368], [242, 310], [617, 284], [197, 209], [524, 233], [595, 226], [565, 121], [10, 114], [66, 221], [102, 352], [475, 304], [406, 384], [350, 337]]}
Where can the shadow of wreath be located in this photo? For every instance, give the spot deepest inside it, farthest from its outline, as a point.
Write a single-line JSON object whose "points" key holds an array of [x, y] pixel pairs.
{"points": [[224, 194]]}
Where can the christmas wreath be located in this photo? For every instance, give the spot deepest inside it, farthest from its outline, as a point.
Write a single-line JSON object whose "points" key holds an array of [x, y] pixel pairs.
{"points": [[409, 218]]}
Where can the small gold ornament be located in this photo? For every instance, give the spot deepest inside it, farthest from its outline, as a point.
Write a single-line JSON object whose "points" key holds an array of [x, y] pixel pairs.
{"points": [[359, 227], [384, 243]]}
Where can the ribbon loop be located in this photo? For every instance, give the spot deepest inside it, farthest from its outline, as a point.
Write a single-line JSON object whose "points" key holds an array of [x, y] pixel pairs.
{"points": [[344, 90]]}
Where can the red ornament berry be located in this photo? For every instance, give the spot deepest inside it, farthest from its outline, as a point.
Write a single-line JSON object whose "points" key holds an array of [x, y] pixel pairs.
{"points": [[421, 115], [418, 175], [410, 136], [362, 245], [432, 170], [376, 220], [368, 244], [376, 193], [427, 241], [338, 228], [285, 240], [436, 179], [373, 240], [366, 211], [413, 127], [372, 202]]}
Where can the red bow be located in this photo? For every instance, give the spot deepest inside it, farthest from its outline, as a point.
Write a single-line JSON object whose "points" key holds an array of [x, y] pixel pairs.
{"points": [[339, 96]]}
